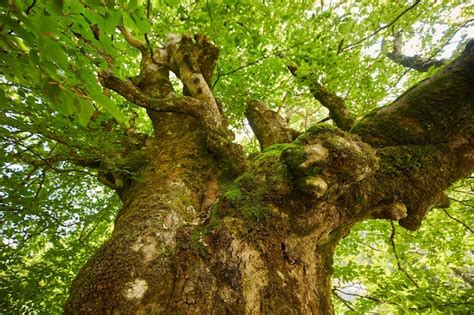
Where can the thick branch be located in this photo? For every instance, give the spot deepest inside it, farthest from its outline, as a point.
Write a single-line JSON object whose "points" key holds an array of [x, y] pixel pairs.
{"points": [[193, 62], [335, 104], [216, 135], [269, 127], [414, 62], [436, 110], [425, 138], [184, 104]]}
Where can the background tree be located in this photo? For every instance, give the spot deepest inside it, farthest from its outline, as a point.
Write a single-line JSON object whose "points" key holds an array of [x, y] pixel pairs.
{"points": [[103, 90]]}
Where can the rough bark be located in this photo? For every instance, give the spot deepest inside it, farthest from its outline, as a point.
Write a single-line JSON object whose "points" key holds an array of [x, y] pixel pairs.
{"points": [[194, 238], [269, 127]]}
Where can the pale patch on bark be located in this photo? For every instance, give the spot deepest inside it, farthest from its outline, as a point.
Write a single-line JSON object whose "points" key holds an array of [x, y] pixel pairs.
{"points": [[317, 185], [226, 295], [136, 289], [147, 246], [281, 275], [167, 235], [315, 153], [254, 276]]}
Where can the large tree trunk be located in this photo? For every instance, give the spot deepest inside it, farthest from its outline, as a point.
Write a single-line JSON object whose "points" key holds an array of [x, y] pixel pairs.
{"points": [[194, 238], [169, 254]]}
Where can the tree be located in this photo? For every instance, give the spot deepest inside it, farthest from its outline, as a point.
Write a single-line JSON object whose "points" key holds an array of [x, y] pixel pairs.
{"points": [[96, 89]]}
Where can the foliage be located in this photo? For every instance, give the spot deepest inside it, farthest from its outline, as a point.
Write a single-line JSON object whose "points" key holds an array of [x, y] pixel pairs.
{"points": [[55, 114], [431, 274]]}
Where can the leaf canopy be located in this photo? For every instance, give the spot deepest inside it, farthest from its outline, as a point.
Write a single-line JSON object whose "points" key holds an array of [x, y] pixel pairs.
{"points": [[57, 122]]}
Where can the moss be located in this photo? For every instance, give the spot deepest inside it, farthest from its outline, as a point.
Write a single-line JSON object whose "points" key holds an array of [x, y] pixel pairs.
{"points": [[250, 195], [320, 128], [409, 159], [234, 194], [197, 245]]}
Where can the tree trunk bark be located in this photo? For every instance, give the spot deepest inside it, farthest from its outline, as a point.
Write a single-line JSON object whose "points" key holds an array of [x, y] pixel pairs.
{"points": [[167, 254]]}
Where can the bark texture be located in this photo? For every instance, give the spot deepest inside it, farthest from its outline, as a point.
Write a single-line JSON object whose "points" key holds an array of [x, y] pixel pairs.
{"points": [[204, 231]]}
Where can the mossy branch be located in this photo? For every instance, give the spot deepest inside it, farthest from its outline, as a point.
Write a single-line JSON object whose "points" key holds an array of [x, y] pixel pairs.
{"points": [[338, 111]]}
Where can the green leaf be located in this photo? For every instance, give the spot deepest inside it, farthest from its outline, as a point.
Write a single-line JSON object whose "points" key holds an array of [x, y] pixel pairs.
{"points": [[86, 109], [74, 6], [113, 18], [144, 26], [108, 105], [55, 6], [45, 26], [55, 53], [66, 103], [345, 27]]}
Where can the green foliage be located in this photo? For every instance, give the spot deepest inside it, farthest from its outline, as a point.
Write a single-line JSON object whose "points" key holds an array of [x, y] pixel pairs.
{"points": [[435, 275], [50, 225], [56, 123]]}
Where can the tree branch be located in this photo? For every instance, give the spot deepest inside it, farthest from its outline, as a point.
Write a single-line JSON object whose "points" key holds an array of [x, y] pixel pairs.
{"points": [[444, 107], [48, 163], [400, 267], [338, 111], [413, 62], [425, 138], [193, 63], [466, 277], [30, 7], [352, 46], [269, 127], [183, 104], [458, 221], [346, 303], [133, 41], [217, 136]]}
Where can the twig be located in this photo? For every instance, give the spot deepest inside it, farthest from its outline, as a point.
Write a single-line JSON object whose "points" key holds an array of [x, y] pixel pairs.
{"points": [[457, 220], [209, 10], [416, 62], [40, 186], [338, 111], [346, 303], [46, 162], [256, 61], [440, 305], [368, 297], [351, 46], [82, 238], [400, 267], [450, 38], [30, 7], [148, 8], [150, 48]]}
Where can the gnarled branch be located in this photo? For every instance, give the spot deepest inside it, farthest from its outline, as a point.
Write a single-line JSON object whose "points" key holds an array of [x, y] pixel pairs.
{"points": [[414, 62], [269, 127], [216, 135], [425, 138], [193, 62], [338, 111]]}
